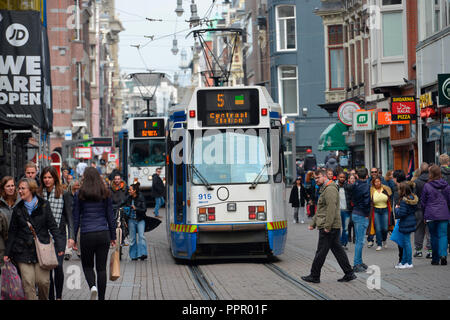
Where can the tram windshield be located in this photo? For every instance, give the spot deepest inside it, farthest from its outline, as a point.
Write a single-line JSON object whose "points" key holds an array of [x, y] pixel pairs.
{"points": [[228, 157], [147, 152]]}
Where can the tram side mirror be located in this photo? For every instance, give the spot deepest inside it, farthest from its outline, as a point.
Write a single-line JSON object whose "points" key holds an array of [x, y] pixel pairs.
{"points": [[275, 124]]}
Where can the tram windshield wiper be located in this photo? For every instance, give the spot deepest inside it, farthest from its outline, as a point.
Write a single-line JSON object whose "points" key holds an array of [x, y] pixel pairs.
{"points": [[202, 178], [258, 177]]}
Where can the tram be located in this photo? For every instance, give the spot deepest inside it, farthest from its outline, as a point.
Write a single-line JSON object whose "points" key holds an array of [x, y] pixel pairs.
{"points": [[225, 176], [142, 150]]}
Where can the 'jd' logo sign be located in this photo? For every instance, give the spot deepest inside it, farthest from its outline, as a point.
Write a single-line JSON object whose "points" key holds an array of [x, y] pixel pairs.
{"points": [[17, 35], [361, 119]]}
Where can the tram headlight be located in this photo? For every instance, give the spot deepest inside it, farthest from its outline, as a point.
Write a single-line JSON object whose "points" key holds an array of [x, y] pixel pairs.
{"points": [[261, 216], [150, 178], [202, 218]]}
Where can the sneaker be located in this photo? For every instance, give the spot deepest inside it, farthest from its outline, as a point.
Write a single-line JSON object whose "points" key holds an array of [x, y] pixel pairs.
{"points": [[398, 266], [348, 278], [94, 293], [418, 254], [345, 247], [378, 248], [364, 266], [434, 263], [143, 257], [443, 261], [405, 266], [311, 279], [302, 222], [429, 254], [370, 244], [295, 221], [385, 244]]}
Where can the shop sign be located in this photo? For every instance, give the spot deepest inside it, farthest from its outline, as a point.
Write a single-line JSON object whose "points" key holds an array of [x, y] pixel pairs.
{"points": [[403, 108], [426, 100], [363, 121], [346, 110], [83, 153], [385, 119], [444, 89]]}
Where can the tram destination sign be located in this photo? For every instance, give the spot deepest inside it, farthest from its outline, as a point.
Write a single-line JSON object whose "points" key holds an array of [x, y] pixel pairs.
{"points": [[148, 128], [220, 108]]}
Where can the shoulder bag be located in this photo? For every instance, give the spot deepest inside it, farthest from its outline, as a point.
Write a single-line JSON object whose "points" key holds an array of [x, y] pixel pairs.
{"points": [[45, 252]]}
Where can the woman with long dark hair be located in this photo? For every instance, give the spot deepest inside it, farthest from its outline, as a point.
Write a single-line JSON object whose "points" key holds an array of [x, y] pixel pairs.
{"points": [[93, 214], [8, 196], [297, 199], [136, 223], [51, 190]]}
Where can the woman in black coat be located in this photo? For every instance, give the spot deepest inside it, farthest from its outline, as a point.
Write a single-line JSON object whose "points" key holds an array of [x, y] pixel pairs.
{"points": [[297, 199], [136, 223], [20, 245]]}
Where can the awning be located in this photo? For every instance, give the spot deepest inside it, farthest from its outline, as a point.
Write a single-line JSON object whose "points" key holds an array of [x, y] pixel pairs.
{"points": [[332, 138]]}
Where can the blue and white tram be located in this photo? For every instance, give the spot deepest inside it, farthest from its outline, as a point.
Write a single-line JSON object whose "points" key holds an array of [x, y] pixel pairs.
{"points": [[142, 151], [225, 176]]}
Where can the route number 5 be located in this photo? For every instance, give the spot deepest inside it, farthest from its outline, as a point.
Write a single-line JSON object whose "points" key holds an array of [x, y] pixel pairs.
{"points": [[220, 100]]}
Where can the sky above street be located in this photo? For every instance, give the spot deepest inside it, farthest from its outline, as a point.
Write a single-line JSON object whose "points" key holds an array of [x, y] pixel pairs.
{"points": [[155, 55]]}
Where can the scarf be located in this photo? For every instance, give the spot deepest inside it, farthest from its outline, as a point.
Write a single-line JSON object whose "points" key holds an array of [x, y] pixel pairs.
{"points": [[31, 205], [56, 205]]}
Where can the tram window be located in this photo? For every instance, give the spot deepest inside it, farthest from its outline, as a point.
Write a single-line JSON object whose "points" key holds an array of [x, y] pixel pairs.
{"points": [[147, 152], [228, 157]]}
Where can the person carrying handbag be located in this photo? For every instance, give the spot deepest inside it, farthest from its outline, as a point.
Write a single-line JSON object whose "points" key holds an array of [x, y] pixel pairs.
{"points": [[93, 215], [21, 247]]}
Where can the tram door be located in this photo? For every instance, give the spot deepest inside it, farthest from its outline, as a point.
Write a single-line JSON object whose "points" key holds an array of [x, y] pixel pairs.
{"points": [[179, 178]]}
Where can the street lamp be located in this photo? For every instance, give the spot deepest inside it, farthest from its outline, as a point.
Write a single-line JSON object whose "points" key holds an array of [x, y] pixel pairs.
{"points": [[175, 47], [195, 19], [179, 10]]}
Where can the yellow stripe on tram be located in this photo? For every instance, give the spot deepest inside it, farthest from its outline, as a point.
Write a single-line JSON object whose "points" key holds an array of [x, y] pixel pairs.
{"points": [[188, 228], [277, 225]]}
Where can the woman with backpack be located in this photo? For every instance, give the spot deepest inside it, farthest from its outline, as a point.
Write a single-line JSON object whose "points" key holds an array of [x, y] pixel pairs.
{"points": [[297, 199], [406, 213], [435, 202]]}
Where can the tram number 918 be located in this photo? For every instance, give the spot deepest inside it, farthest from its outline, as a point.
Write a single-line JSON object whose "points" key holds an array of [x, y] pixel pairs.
{"points": [[204, 196]]}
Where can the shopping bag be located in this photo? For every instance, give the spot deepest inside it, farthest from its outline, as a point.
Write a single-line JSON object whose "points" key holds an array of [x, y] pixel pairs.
{"points": [[11, 283], [396, 236], [151, 223], [114, 266]]}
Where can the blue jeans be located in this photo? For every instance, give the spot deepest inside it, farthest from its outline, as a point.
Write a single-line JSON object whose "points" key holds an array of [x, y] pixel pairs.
{"points": [[361, 223], [159, 202], [381, 225], [345, 219], [138, 243], [439, 242], [407, 248]]}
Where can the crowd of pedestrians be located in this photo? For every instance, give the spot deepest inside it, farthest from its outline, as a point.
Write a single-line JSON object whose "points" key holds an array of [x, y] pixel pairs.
{"points": [[372, 209], [78, 210]]}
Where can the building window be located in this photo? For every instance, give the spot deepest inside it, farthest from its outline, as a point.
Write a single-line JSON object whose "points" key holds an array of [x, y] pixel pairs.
{"points": [[336, 56], [392, 34], [391, 2], [336, 68], [286, 29], [437, 16], [287, 85]]}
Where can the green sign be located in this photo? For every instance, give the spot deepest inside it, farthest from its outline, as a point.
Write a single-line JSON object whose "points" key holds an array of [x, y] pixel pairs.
{"points": [[444, 89], [363, 121]]}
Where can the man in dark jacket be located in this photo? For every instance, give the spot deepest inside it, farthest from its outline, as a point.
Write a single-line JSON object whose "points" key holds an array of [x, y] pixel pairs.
{"points": [[158, 191], [310, 163], [421, 227], [328, 221], [119, 192], [360, 216]]}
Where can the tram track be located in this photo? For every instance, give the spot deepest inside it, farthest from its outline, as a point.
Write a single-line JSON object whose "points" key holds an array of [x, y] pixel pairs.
{"points": [[205, 288], [298, 284]]}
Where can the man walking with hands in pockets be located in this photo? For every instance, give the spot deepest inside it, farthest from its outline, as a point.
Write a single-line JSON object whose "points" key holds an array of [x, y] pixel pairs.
{"points": [[328, 220]]}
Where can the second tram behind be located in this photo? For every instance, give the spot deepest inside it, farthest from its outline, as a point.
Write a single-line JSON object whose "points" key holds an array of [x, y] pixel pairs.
{"points": [[225, 176], [142, 151]]}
